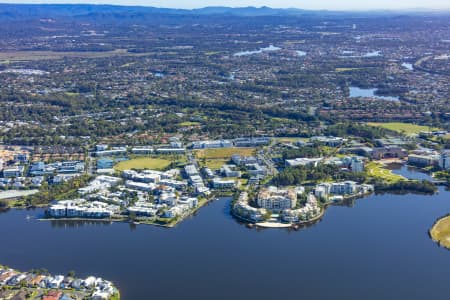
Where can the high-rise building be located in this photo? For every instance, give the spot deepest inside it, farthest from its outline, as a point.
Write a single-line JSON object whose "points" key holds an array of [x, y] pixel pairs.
{"points": [[444, 160]]}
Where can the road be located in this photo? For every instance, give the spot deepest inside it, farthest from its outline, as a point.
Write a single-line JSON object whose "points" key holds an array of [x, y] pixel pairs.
{"points": [[191, 159], [268, 162]]}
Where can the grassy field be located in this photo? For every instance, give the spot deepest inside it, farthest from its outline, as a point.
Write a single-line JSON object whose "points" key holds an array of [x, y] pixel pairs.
{"points": [[216, 158], [405, 128], [16, 193], [14, 56], [223, 153], [290, 139], [440, 232], [143, 163], [71, 94], [212, 53], [281, 120], [213, 164], [187, 124], [346, 69], [377, 170]]}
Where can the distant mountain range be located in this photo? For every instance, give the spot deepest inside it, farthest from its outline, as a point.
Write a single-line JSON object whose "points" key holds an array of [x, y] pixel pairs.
{"points": [[73, 10], [248, 11], [20, 11]]}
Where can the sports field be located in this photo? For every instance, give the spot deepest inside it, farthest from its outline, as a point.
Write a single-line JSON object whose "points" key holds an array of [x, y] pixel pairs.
{"points": [[143, 163], [188, 123], [223, 153], [405, 128], [217, 157]]}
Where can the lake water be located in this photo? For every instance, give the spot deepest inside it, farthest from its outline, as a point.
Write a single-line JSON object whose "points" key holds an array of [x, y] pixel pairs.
{"points": [[374, 248], [368, 93], [408, 66], [261, 50], [25, 71], [409, 172], [372, 54], [351, 54]]}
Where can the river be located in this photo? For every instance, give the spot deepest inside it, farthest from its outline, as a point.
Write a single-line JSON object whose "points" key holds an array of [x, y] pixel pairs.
{"points": [[376, 248]]}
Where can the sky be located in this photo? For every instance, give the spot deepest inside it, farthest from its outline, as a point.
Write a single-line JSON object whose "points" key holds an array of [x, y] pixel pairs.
{"points": [[303, 4]]}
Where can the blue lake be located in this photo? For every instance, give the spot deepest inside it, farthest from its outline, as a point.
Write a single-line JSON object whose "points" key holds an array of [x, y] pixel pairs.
{"points": [[261, 50], [356, 92], [408, 66], [373, 248]]}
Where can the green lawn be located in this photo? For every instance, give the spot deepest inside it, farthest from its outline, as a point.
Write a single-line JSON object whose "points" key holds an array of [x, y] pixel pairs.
{"points": [[143, 163], [212, 53], [375, 169], [213, 164], [223, 153], [440, 232], [281, 120], [187, 124], [243, 181], [12, 56], [404, 128], [290, 139], [217, 157], [72, 94], [345, 69]]}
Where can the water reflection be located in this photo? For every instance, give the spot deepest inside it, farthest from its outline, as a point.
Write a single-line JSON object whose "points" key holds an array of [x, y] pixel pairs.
{"points": [[381, 242], [78, 223], [356, 92], [401, 169], [133, 226], [409, 172], [271, 48]]}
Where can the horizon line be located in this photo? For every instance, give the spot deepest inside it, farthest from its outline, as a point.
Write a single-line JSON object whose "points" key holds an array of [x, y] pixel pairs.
{"points": [[410, 9]]}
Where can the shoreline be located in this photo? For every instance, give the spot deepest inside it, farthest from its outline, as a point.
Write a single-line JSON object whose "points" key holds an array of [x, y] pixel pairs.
{"points": [[432, 232], [194, 211], [281, 224], [302, 223], [135, 222], [40, 282]]}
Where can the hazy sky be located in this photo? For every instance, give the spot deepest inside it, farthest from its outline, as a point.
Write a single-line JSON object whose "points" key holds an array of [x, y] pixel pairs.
{"points": [[306, 4]]}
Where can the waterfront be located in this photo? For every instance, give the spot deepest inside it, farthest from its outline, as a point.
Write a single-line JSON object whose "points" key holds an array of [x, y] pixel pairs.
{"points": [[261, 50], [10, 194], [408, 66], [212, 256], [368, 93]]}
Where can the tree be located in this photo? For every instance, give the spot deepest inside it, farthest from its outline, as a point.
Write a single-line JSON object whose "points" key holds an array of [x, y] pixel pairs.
{"points": [[71, 273], [267, 215], [132, 216], [3, 204], [151, 198]]}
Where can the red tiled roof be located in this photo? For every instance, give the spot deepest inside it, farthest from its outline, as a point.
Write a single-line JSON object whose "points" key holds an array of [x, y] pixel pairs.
{"points": [[52, 295]]}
